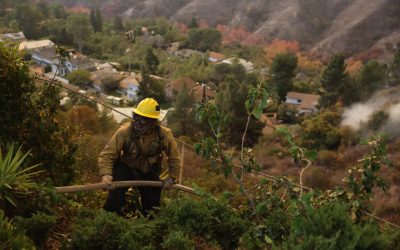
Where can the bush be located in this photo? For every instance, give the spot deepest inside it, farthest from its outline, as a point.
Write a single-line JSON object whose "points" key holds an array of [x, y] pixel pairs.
{"points": [[177, 240], [140, 235], [101, 232], [327, 158], [209, 219], [330, 227], [174, 227], [10, 237], [37, 227]]}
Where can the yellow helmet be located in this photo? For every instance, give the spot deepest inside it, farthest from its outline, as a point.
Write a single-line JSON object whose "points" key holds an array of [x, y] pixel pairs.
{"points": [[148, 108]]}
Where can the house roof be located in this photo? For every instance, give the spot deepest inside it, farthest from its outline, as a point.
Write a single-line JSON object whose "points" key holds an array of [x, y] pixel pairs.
{"points": [[198, 92], [19, 36], [246, 64], [215, 56], [124, 83], [30, 45], [179, 83], [186, 52], [48, 53], [98, 76], [307, 101], [79, 60]]}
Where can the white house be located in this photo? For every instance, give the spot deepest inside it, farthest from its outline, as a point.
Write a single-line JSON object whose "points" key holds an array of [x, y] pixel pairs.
{"points": [[79, 62], [47, 57]]}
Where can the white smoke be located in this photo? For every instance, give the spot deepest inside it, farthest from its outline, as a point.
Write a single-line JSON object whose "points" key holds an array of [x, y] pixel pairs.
{"points": [[387, 100]]}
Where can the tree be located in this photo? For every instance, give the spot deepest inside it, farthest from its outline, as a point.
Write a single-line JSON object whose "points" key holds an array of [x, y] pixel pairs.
{"points": [[56, 28], [231, 101], [321, 131], [150, 87], [282, 71], [28, 20], [79, 77], [78, 27], [204, 39], [57, 10], [96, 20], [333, 81], [117, 24], [99, 21], [182, 118], [371, 78], [31, 117], [152, 61], [43, 8], [193, 24]]}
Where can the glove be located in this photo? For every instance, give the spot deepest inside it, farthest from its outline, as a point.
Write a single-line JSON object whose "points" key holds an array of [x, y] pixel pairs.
{"points": [[108, 180], [168, 182]]}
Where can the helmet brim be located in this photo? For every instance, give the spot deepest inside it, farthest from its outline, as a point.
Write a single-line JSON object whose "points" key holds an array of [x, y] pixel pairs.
{"points": [[146, 115]]}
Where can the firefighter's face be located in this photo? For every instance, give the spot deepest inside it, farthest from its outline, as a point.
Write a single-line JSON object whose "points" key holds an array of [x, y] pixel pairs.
{"points": [[143, 124]]}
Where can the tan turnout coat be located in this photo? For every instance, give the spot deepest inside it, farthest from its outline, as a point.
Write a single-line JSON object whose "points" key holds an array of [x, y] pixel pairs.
{"points": [[142, 152]]}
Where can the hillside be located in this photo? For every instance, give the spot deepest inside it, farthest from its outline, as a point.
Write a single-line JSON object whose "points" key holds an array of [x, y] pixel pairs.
{"points": [[349, 26]]}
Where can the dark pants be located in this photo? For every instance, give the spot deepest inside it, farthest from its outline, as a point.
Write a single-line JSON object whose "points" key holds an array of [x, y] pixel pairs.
{"points": [[149, 196]]}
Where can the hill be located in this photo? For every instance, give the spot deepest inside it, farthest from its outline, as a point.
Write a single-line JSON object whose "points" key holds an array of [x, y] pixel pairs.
{"points": [[349, 26]]}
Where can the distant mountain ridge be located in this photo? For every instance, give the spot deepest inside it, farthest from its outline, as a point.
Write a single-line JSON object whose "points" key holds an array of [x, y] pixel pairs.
{"points": [[349, 26]]}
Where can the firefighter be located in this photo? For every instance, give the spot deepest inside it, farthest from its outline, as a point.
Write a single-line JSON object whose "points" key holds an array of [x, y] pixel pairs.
{"points": [[135, 152]]}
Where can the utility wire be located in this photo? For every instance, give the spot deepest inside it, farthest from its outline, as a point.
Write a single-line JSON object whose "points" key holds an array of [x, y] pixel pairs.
{"points": [[271, 177]]}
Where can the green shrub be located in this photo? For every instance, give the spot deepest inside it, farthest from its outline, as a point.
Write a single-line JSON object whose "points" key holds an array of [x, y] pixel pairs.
{"points": [[330, 227], [10, 237], [140, 235], [37, 227], [212, 220], [101, 232], [177, 241]]}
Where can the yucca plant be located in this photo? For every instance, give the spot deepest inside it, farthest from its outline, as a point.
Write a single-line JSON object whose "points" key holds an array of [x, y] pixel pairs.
{"points": [[15, 178]]}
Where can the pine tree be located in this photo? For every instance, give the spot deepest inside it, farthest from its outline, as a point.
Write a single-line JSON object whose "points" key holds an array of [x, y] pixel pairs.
{"points": [[282, 70], [333, 81], [371, 78], [99, 21], [193, 23], [118, 24], [182, 118], [93, 20], [152, 61], [149, 87], [231, 99]]}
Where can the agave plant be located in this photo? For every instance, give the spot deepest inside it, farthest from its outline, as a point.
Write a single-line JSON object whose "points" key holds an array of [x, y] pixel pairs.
{"points": [[15, 178]]}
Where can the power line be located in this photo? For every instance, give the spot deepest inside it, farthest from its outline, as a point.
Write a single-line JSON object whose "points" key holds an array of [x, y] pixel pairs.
{"points": [[271, 177]]}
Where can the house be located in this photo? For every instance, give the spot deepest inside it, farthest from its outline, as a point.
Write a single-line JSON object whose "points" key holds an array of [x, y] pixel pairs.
{"points": [[79, 62], [175, 86], [31, 45], [13, 37], [246, 64], [202, 92], [129, 86], [304, 103], [47, 58], [215, 57], [115, 100], [186, 53], [101, 78]]}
